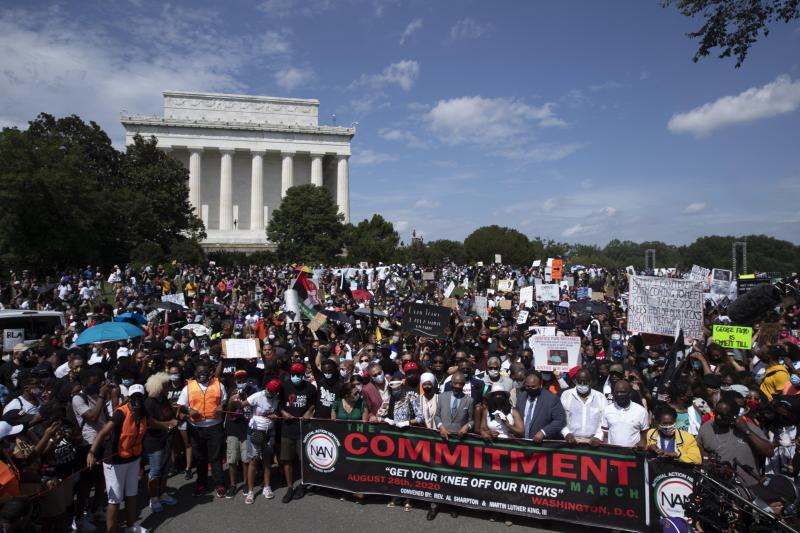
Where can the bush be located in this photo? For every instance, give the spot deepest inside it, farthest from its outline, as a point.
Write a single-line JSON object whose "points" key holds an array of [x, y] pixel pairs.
{"points": [[187, 251]]}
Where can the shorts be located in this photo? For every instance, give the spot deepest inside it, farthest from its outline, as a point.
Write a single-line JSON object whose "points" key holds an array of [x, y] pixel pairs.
{"points": [[182, 426], [236, 450], [159, 463], [290, 449], [55, 502], [122, 480], [260, 444]]}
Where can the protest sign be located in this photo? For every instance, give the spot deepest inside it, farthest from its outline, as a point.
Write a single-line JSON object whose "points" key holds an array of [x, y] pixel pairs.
{"points": [[542, 330], [505, 305], [505, 285], [12, 337], [548, 292], [428, 275], [555, 352], [699, 273], [537, 263], [658, 305], [241, 348], [450, 303], [744, 285], [597, 296], [734, 337], [480, 306], [174, 298], [721, 282], [522, 317], [425, 319], [317, 322], [449, 290], [526, 296], [598, 486], [498, 258], [584, 293], [556, 270]]}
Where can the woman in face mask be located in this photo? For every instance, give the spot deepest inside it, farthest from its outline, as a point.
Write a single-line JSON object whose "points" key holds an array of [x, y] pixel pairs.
{"points": [[429, 399], [666, 441], [500, 420]]}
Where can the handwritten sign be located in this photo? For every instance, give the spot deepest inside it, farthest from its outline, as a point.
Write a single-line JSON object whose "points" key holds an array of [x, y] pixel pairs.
{"points": [[498, 258], [505, 305], [481, 307], [734, 337], [548, 292], [12, 337], [241, 348], [425, 319], [522, 317], [556, 270], [658, 305]]}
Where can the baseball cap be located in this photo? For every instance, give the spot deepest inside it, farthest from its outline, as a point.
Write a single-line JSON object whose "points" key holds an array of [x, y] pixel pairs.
{"points": [[135, 389], [274, 386], [573, 372], [7, 429], [298, 368], [409, 366], [240, 374]]}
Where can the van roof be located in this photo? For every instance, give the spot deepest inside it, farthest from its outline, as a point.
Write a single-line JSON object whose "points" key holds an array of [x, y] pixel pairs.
{"points": [[27, 312]]}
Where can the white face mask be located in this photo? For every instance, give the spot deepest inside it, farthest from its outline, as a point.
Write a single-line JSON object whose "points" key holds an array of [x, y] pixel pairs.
{"points": [[494, 374], [582, 389]]}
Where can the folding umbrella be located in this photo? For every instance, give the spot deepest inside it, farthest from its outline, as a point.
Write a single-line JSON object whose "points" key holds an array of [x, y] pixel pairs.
{"points": [[107, 332], [133, 318]]}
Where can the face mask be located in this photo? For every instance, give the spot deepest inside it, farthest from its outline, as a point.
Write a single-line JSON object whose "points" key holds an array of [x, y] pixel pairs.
{"points": [[412, 381], [378, 379], [623, 400], [583, 390], [395, 338], [427, 391], [271, 336], [533, 393], [363, 365], [650, 362], [752, 405], [127, 382], [741, 411], [667, 431], [36, 391], [241, 386], [174, 378], [343, 372], [616, 337], [327, 375], [494, 374], [296, 380], [795, 379], [397, 393], [202, 378]]}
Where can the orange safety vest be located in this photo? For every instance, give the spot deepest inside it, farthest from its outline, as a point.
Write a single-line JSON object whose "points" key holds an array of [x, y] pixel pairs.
{"points": [[131, 436], [9, 480], [206, 402]]}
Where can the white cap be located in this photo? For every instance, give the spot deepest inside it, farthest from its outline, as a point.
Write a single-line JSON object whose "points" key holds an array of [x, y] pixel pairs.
{"points": [[135, 389], [7, 429], [122, 352], [95, 359], [496, 387]]}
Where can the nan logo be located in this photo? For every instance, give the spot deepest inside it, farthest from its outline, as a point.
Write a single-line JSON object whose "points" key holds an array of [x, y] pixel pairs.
{"points": [[672, 492], [322, 450]]}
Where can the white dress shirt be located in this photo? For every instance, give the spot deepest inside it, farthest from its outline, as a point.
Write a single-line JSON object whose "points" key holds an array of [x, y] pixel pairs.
{"points": [[584, 415]]}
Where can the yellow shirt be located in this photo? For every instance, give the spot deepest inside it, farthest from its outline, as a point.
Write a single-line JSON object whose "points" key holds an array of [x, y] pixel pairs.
{"points": [[774, 380]]}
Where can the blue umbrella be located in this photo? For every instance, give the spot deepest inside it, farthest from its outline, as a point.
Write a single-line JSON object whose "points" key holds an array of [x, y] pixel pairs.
{"points": [[109, 331], [133, 318]]}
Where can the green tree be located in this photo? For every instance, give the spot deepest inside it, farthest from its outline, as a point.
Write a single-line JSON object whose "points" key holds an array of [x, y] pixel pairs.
{"points": [[734, 26], [373, 240], [446, 250], [154, 190], [483, 243], [307, 226]]}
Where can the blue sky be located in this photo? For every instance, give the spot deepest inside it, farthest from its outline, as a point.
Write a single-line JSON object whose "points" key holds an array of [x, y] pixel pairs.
{"points": [[574, 121]]}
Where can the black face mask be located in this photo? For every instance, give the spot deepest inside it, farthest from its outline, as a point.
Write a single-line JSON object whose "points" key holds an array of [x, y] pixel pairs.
{"points": [[412, 381], [623, 400], [533, 393], [428, 392]]}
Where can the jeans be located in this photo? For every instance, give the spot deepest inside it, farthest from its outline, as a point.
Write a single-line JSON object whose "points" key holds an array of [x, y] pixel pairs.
{"points": [[159, 463], [207, 447]]}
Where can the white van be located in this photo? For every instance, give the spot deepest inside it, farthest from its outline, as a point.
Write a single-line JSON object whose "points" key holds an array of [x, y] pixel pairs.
{"points": [[19, 325]]}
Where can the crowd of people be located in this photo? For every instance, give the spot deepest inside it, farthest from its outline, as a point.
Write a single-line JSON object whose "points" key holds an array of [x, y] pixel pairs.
{"points": [[83, 423]]}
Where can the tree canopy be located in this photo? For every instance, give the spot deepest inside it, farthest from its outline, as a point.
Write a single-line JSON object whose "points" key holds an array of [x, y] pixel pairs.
{"points": [[307, 227], [483, 243], [374, 240]]}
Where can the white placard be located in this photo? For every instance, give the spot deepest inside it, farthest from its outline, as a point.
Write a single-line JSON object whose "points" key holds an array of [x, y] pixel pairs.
{"points": [[449, 290], [658, 305], [630, 270], [699, 273], [537, 263], [12, 337], [543, 330], [522, 317], [175, 298], [548, 292], [505, 285], [555, 353], [481, 306], [526, 296], [721, 282], [498, 258], [240, 348]]}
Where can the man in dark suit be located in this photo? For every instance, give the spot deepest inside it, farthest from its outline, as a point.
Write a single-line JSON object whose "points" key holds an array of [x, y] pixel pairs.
{"points": [[454, 416], [542, 413]]}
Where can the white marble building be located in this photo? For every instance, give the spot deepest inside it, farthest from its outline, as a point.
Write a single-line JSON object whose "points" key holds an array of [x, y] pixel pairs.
{"points": [[243, 153]]}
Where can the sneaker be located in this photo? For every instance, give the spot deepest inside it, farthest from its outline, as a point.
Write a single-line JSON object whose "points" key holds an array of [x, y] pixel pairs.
{"points": [[288, 496], [84, 525], [188, 474], [166, 499], [299, 492], [249, 498], [155, 505], [199, 490], [230, 493], [267, 492], [220, 491]]}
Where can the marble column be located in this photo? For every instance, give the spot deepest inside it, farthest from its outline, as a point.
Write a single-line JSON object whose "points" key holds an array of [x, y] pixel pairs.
{"points": [[316, 169], [343, 186], [257, 190], [226, 190], [195, 178], [287, 172]]}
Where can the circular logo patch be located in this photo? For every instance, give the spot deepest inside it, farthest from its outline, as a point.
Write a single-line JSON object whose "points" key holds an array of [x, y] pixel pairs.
{"points": [[322, 450], [671, 495]]}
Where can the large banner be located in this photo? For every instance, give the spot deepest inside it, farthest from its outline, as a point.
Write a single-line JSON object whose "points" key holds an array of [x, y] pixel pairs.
{"points": [[658, 305], [603, 486]]}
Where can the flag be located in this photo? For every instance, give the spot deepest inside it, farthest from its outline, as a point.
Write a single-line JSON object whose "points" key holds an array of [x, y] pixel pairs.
{"points": [[673, 366], [306, 290]]}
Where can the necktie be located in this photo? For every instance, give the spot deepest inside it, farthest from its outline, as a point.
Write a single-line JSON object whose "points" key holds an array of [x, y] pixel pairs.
{"points": [[529, 415], [453, 406]]}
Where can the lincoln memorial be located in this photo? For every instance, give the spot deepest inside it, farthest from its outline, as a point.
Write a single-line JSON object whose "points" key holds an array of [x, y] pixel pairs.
{"points": [[243, 153]]}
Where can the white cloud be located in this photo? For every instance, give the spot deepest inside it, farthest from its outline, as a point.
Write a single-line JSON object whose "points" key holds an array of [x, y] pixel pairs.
{"points": [[695, 207], [290, 78], [369, 102], [474, 119], [775, 98], [467, 28], [586, 184], [550, 204], [403, 73], [412, 27], [609, 211], [402, 136], [541, 152], [288, 8], [273, 43], [417, 107], [371, 157], [578, 229], [401, 225], [426, 203], [278, 8]]}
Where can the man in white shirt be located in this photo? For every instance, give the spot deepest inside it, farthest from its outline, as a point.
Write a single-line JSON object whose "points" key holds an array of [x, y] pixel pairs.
{"points": [[625, 423], [584, 408]]}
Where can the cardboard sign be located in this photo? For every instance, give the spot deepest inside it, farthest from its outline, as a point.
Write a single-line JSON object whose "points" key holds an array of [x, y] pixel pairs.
{"points": [[660, 305], [12, 337], [449, 290], [450, 303], [555, 352], [317, 322], [425, 319], [597, 296], [498, 258], [733, 337], [428, 275], [505, 285], [174, 298], [548, 292], [522, 317], [481, 307], [526, 296], [556, 269], [241, 348], [505, 305]]}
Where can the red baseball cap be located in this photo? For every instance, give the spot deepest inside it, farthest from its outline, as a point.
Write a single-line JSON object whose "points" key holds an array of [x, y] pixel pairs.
{"points": [[409, 366], [573, 371], [298, 368], [274, 386]]}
